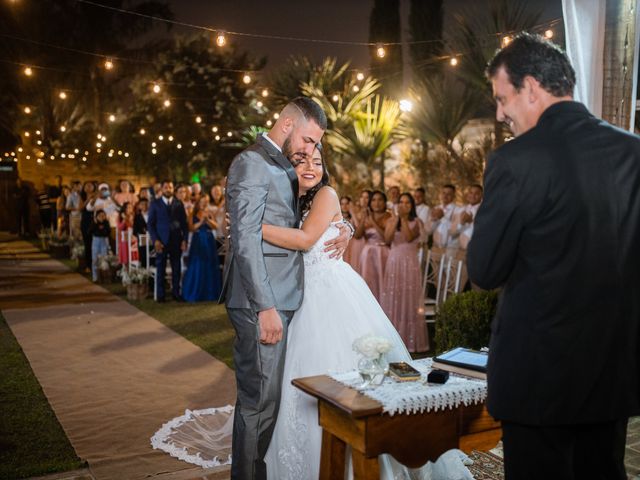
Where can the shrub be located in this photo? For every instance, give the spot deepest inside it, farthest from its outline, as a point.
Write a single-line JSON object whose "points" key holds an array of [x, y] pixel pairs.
{"points": [[464, 320]]}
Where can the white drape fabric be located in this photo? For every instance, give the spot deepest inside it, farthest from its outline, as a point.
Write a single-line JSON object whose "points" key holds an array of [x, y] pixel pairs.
{"points": [[584, 22]]}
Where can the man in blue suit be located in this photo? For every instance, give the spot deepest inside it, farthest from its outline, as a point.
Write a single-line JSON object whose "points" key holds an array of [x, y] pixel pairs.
{"points": [[167, 226]]}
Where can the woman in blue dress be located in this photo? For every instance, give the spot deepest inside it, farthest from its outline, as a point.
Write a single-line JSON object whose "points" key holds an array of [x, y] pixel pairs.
{"points": [[202, 280]]}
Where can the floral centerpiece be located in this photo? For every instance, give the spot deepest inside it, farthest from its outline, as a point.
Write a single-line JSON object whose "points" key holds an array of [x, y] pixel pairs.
{"points": [[77, 254], [135, 279], [107, 268], [373, 365]]}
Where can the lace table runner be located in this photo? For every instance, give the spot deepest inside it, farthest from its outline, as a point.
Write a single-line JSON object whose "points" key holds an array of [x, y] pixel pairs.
{"points": [[413, 397]]}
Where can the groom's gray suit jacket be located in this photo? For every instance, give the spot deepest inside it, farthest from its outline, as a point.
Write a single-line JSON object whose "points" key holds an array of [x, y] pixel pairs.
{"points": [[262, 187]]}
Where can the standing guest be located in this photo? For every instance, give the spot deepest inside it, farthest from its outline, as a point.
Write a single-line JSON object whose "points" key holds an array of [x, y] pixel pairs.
{"points": [[54, 192], [145, 192], [73, 207], [44, 207], [100, 232], [196, 192], [357, 244], [345, 207], [182, 194], [216, 206], [462, 224], [440, 219], [21, 197], [374, 255], [157, 190], [87, 195], [202, 280], [168, 229], [401, 297], [422, 211], [140, 227], [558, 230], [125, 227], [125, 193], [394, 196], [62, 215], [104, 202]]}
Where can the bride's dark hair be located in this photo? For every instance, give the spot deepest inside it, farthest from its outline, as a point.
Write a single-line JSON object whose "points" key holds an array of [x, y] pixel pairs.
{"points": [[307, 199]]}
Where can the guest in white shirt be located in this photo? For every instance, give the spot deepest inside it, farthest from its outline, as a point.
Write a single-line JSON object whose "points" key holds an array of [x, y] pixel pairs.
{"points": [[462, 224], [73, 207], [422, 211], [106, 203], [393, 194], [440, 218]]}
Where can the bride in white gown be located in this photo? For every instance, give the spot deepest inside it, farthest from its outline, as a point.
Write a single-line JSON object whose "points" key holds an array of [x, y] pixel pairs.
{"points": [[337, 308]]}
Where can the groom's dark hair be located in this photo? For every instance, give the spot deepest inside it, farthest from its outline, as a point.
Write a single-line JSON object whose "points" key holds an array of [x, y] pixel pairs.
{"points": [[311, 111], [533, 55]]}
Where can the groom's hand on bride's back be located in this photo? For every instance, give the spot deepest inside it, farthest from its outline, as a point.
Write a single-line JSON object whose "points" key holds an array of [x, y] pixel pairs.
{"points": [[338, 245], [270, 325]]}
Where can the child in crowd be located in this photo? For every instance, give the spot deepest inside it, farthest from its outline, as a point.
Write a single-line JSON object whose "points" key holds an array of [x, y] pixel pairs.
{"points": [[100, 231]]}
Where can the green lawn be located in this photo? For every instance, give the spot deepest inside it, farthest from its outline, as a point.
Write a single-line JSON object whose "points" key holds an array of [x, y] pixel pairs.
{"points": [[32, 441]]}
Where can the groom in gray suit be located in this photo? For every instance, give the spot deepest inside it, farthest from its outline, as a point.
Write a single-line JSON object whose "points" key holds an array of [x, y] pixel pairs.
{"points": [[263, 283]]}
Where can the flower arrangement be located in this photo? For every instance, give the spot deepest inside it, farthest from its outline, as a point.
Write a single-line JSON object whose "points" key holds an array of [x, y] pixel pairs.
{"points": [[135, 275], [106, 262], [371, 346], [77, 251]]}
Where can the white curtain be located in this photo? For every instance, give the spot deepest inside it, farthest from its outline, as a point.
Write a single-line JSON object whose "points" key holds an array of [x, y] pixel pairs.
{"points": [[584, 35]]}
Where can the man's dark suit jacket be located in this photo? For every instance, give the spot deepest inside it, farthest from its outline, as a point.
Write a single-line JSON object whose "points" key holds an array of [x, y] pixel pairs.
{"points": [[139, 224], [168, 223], [559, 230]]}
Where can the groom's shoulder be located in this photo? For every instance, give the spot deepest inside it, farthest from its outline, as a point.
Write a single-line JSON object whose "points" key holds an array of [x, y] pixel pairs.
{"points": [[253, 155]]}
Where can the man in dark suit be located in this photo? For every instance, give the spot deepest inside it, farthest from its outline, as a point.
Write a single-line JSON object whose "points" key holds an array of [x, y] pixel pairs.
{"points": [[167, 226], [559, 231]]}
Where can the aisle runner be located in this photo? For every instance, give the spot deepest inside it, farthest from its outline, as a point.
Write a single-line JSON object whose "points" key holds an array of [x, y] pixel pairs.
{"points": [[111, 373]]}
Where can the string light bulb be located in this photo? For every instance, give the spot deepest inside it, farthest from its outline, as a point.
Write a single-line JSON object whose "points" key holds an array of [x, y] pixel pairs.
{"points": [[221, 39], [63, 129], [214, 129], [506, 40], [126, 154], [194, 144], [62, 95], [198, 119], [265, 92], [269, 123], [406, 105], [167, 103], [217, 137], [246, 79], [380, 51], [276, 115], [548, 33], [143, 131], [356, 88], [108, 64], [259, 104], [112, 118], [28, 71], [170, 138], [453, 62], [179, 146], [360, 76], [156, 88], [154, 151], [229, 134], [27, 110], [27, 134], [335, 98]]}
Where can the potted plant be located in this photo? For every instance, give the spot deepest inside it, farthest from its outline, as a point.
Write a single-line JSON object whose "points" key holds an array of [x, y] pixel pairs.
{"points": [[59, 246], [135, 279], [107, 268], [464, 320], [77, 254]]}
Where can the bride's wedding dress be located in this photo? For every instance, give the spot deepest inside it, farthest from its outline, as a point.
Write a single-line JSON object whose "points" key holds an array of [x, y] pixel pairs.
{"points": [[337, 308]]}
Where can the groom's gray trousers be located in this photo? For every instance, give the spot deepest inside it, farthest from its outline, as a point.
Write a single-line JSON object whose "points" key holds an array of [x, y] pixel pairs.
{"points": [[259, 370]]}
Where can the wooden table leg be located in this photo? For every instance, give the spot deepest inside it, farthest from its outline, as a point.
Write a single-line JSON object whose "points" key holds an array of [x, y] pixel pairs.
{"points": [[332, 457], [365, 468]]}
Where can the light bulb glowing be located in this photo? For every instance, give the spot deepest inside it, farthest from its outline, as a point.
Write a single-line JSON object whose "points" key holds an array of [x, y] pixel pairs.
{"points": [[221, 39], [229, 134], [335, 98], [142, 131], [548, 33], [269, 123], [27, 134], [217, 137], [214, 129], [356, 88], [156, 88], [28, 71], [160, 137], [453, 61], [167, 103], [380, 51], [265, 93], [112, 118], [108, 64], [62, 95], [406, 105], [276, 115], [27, 110], [194, 144], [246, 79], [179, 146], [63, 129], [154, 151], [506, 40], [170, 138], [259, 104], [198, 119], [360, 76]]}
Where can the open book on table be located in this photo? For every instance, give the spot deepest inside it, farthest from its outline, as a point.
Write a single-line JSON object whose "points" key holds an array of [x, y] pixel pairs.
{"points": [[463, 361]]}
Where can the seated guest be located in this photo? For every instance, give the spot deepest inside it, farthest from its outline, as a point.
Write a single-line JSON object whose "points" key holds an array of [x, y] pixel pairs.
{"points": [[202, 281], [373, 258], [440, 219], [100, 232], [401, 297]]}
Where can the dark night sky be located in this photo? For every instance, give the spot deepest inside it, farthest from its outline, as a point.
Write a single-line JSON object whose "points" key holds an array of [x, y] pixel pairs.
{"points": [[346, 20]]}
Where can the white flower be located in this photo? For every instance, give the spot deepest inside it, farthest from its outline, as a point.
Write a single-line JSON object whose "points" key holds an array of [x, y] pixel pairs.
{"points": [[371, 346]]}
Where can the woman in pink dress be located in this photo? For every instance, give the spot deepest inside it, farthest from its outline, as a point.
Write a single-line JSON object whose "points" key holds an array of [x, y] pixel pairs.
{"points": [[357, 244], [125, 225], [375, 251], [401, 296]]}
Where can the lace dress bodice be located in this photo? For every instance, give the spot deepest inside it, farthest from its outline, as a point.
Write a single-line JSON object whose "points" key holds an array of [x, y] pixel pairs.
{"points": [[316, 256]]}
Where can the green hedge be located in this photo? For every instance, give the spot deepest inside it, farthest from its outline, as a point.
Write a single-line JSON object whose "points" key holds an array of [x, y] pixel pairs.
{"points": [[464, 320]]}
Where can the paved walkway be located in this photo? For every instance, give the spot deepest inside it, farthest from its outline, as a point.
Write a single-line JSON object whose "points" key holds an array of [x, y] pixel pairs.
{"points": [[111, 373]]}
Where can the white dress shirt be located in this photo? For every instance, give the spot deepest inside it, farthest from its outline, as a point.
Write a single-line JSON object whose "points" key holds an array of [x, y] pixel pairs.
{"points": [[440, 228], [463, 231]]}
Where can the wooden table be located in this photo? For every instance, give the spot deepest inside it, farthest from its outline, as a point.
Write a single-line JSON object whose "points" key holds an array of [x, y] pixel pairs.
{"points": [[349, 417]]}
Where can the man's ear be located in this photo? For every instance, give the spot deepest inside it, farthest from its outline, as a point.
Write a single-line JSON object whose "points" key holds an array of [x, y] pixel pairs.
{"points": [[287, 125], [532, 87]]}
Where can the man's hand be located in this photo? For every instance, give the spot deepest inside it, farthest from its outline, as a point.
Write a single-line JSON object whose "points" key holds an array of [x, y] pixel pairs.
{"points": [[437, 214], [270, 325], [338, 245], [466, 217], [158, 246]]}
